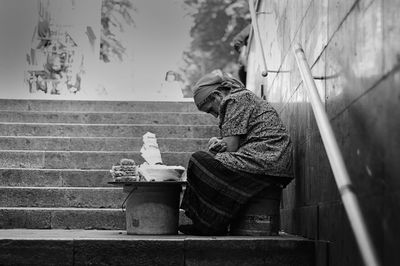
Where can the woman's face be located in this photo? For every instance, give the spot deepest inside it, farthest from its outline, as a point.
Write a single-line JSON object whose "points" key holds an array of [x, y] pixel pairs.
{"points": [[212, 106]]}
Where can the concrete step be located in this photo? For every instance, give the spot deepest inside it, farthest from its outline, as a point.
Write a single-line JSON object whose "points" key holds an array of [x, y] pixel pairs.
{"points": [[50, 197], [93, 247], [171, 118], [67, 218], [103, 130], [98, 144], [95, 106], [62, 218], [14, 177], [80, 159]]}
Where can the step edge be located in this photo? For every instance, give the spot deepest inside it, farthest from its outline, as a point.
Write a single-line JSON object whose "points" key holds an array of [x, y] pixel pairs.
{"points": [[54, 169], [90, 152], [81, 234], [111, 138], [98, 125], [60, 209], [61, 188], [94, 112]]}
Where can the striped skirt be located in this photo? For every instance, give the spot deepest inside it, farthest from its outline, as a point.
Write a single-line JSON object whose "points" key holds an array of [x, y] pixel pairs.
{"points": [[215, 194]]}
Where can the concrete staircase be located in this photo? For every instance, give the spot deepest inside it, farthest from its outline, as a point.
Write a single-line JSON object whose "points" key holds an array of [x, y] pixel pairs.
{"points": [[54, 162], [92, 247], [55, 157]]}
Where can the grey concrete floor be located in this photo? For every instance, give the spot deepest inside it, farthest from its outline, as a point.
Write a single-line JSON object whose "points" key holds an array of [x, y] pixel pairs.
{"points": [[34, 234]]}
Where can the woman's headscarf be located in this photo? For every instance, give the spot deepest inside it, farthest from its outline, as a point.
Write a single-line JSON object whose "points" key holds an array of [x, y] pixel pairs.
{"points": [[210, 83]]}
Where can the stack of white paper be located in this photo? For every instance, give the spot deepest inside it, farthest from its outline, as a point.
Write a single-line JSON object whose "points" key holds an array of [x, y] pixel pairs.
{"points": [[150, 151]]}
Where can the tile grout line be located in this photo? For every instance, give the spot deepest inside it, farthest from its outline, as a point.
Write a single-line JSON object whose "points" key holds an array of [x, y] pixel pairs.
{"points": [[383, 78]]}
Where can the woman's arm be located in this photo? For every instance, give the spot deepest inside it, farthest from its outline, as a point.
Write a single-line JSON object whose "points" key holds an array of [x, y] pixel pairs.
{"points": [[229, 144], [232, 143], [241, 38]]}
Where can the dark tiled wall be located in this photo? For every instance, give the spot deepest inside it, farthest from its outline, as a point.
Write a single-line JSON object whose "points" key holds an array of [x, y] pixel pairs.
{"points": [[356, 45]]}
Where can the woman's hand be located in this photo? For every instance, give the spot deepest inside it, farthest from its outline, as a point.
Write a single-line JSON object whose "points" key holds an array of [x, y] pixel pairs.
{"points": [[219, 146], [216, 145], [212, 141], [243, 56], [230, 144]]}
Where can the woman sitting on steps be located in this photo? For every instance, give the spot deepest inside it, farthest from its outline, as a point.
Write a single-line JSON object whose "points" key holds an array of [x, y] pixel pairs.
{"points": [[253, 152]]}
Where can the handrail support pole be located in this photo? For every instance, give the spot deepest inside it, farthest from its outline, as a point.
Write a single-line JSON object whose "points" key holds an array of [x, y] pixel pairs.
{"points": [[257, 34], [350, 202]]}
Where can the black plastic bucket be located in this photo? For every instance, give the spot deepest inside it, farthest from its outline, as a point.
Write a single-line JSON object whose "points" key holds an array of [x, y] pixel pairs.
{"points": [[260, 217]]}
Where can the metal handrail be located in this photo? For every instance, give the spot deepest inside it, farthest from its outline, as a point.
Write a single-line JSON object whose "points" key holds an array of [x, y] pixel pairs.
{"points": [[254, 24], [350, 202]]}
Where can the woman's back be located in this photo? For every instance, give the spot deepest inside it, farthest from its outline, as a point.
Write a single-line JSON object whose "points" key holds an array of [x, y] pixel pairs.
{"points": [[265, 146]]}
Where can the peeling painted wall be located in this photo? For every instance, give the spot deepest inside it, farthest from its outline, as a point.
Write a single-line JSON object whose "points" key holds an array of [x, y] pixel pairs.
{"points": [[356, 44], [18, 31]]}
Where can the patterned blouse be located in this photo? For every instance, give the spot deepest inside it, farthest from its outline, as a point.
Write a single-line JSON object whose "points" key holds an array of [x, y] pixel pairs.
{"points": [[264, 146]]}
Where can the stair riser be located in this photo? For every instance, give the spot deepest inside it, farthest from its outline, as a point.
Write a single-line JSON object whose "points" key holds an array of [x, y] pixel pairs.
{"points": [[54, 178], [95, 106], [98, 144], [58, 218], [53, 197], [91, 252], [62, 219], [79, 160], [127, 131], [108, 118], [249, 252], [43, 253], [165, 251]]}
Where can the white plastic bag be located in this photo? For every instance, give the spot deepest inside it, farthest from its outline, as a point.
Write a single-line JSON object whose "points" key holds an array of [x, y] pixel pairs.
{"points": [[161, 172], [150, 151]]}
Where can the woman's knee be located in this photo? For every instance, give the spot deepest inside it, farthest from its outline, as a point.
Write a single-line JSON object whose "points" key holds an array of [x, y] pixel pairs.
{"points": [[199, 155]]}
